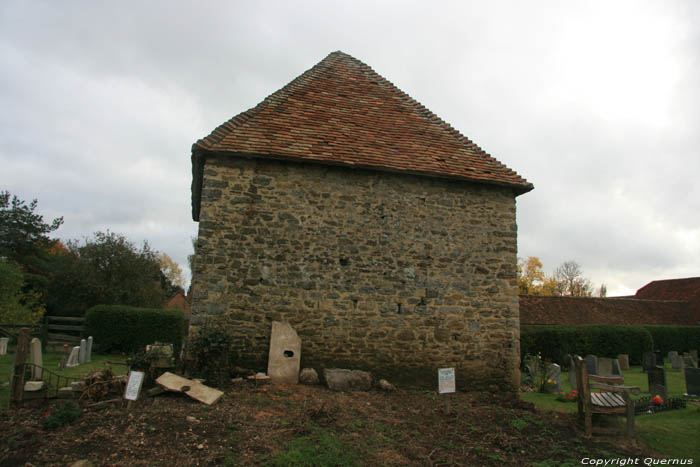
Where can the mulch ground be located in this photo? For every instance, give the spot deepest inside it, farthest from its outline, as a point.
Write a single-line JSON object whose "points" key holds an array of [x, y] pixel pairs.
{"points": [[253, 425]]}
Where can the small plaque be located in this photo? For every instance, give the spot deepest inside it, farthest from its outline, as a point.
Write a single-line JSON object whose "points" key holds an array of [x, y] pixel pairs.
{"points": [[133, 387], [446, 380]]}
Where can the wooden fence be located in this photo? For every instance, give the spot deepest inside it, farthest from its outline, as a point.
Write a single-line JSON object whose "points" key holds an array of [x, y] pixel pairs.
{"points": [[55, 331]]}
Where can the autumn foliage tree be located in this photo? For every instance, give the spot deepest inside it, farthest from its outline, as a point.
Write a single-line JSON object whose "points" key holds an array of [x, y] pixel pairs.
{"points": [[567, 280], [532, 280]]}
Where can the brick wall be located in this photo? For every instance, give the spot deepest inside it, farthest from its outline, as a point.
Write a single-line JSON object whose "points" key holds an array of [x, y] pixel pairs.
{"points": [[396, 274], [622, 311]]}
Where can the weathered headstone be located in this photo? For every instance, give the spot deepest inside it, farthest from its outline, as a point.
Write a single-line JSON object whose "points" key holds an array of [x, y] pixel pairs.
{"points": [[591, 364], [552, 381], [3, 345], [688, 361], [572, 372], [671, 355], [616, 370], [694, 353], [605, 366], [692, 381], [74, 357], [82, 352], [285, 354], [36, 359], [677, 362], [624, 360], [648, 361], [88, 357], [659, 359], [347, 380], [657, 382]]}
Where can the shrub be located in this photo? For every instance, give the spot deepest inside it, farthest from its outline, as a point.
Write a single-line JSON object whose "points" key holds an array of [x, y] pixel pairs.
{"points": [[678, 338], [128, 329], [62, 415], [555, 342], [210, 351]]}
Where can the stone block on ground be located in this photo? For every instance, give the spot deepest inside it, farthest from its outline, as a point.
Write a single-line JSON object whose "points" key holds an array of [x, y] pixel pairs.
{"points": [[385, 385], [339, 379], [308, 376], [193, 389]]}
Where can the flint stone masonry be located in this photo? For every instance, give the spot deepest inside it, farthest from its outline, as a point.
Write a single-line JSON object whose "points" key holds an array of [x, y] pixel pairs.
{"points": [[392, 273]]}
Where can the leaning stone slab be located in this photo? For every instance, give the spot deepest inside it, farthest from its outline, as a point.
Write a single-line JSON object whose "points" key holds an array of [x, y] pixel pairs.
{"points": [[347, 380], [74, 357], [285, 354], [193, 389]]}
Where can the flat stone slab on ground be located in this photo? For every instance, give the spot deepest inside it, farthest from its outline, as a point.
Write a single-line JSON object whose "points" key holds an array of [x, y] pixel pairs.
{"points": [[339, 379], [197, 391]]}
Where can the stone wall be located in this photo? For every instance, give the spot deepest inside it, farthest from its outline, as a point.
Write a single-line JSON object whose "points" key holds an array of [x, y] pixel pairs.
{"points": [[392, 273]]}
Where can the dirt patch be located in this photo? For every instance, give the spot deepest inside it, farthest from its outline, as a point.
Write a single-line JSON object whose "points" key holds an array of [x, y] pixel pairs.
{"points": [[253, 426]]}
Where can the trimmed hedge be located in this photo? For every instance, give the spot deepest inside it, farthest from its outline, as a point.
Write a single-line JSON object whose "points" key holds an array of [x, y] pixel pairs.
{"points": [[128, 329], [555, 342], [678, 338]]}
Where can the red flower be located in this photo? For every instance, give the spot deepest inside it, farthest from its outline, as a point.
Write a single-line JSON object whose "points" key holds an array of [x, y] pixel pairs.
{"points": [[657, 400]]}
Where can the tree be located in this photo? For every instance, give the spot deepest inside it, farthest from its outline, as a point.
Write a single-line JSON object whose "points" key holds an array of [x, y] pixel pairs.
{"points": [[106, 270], [570, 281], [532, 279], [23, 234], [603, 292], [172, 279], [16, 305]]}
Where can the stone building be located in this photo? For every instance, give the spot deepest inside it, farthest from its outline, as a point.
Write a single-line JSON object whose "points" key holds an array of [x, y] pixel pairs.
{"points": [[385, 237]]}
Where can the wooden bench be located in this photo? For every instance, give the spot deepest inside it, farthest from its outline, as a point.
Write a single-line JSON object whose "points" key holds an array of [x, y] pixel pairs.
{"points": [[613, 399]]}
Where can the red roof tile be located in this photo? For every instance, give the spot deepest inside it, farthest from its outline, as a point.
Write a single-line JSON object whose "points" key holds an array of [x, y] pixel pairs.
{"points": [[685, 290], [342, 112]]}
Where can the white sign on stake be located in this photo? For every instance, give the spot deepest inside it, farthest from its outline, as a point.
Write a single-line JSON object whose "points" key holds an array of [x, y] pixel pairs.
{"points": [[446, 380], [133, 387]]}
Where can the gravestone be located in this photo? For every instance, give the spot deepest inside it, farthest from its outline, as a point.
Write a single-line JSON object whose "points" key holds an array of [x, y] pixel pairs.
{"points": [[82, 352], [552, 381], [648, 361], [659, 359], [572, 372], [285, 354], [694, 353], [677, 362], [604, 366], [591, 364], [616, 370], [89, 349], [36, 359], [671, 355], [624, 360], [3, 345], [657, 382], [692, 381], [74, 357], [688, 361]]}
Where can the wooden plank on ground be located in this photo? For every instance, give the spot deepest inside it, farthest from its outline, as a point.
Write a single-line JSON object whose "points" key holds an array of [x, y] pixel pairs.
{"points": [[193, 389]]}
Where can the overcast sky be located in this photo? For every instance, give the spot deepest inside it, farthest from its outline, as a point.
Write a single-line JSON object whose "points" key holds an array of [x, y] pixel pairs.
{"points": [[596, 103]]}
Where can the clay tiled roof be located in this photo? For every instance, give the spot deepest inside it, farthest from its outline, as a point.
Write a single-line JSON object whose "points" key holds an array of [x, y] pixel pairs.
{"points": [[671, 289], [341, 112]]}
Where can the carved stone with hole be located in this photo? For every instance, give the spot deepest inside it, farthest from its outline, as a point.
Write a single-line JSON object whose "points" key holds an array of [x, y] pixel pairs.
{"points": [[285, 354]]}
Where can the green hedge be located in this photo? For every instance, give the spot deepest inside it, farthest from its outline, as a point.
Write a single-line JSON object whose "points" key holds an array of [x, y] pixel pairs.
{"points": [[555, 342], [678, 338], [128, 329]]}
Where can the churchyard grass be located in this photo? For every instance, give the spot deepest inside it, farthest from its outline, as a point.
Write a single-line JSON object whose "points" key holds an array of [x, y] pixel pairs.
{"points": [[672, 432], [51, 362]]}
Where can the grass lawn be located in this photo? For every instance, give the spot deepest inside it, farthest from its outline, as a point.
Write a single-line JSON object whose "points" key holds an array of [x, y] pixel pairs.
{"points": [[51, 362], [673, 433]]}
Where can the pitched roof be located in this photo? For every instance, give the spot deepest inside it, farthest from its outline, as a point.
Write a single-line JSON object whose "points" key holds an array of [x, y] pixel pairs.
{"points": [[341, 112], [671, 289]]}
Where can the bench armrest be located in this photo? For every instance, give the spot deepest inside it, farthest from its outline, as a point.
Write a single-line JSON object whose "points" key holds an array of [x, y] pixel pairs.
{"points": [[616, 388]]}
